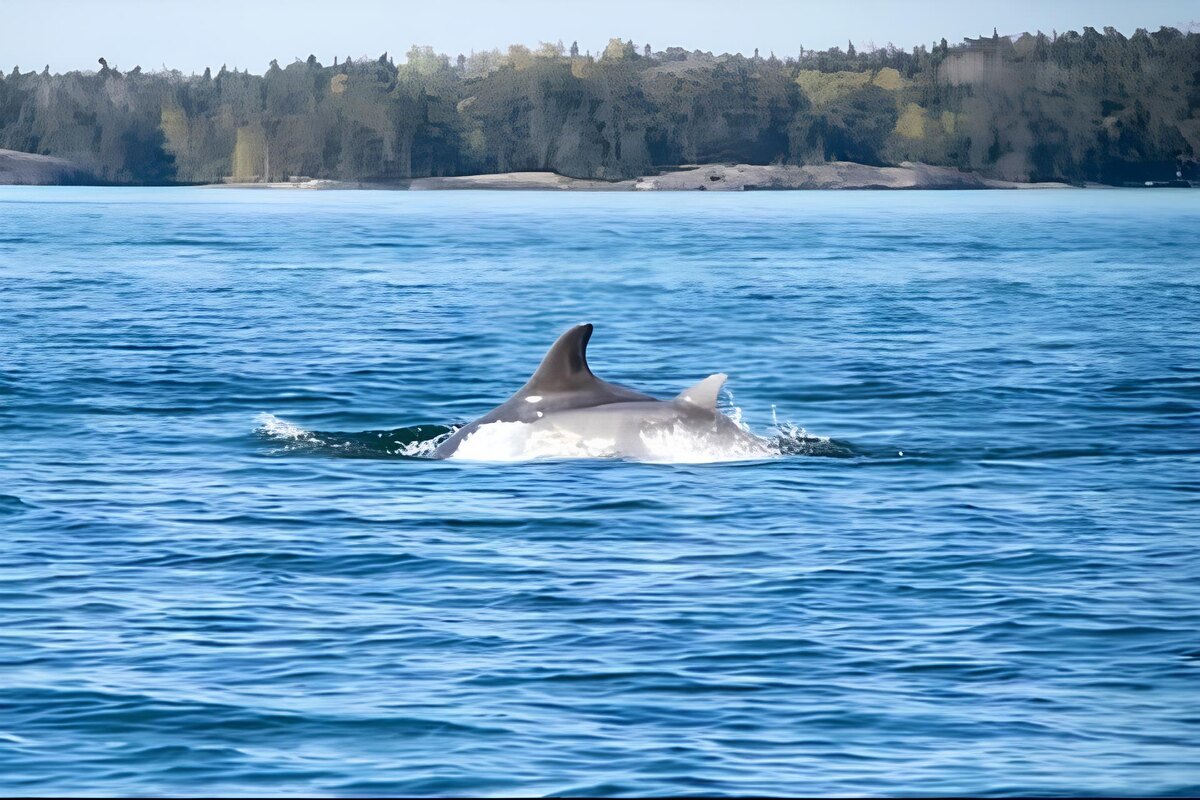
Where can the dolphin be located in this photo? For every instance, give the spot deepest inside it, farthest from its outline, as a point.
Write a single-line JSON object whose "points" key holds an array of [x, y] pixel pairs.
{"points": [[564, 403]]}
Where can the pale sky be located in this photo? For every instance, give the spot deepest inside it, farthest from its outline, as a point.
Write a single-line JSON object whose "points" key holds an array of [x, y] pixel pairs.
{"points": [[189, 35]]}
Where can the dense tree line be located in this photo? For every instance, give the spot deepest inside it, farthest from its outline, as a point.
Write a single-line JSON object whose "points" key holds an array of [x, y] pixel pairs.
{"points": [[1096, 106]]}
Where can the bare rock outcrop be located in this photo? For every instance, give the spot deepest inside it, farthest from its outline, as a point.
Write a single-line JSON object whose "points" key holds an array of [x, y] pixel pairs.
{"points": [[30, 169], [834, 175]]}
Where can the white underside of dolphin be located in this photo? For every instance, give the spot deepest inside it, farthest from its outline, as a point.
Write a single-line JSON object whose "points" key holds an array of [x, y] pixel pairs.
{"points": [[564, 411]]}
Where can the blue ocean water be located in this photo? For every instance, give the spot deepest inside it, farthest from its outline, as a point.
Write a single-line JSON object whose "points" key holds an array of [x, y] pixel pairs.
{"points": [[219, 575]]}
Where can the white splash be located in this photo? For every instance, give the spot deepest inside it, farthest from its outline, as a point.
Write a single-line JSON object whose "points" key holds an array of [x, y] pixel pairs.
{"points": [[673, 444], [276, 428], [793, 440], [419, 449], [293, 438], [521, 441]]}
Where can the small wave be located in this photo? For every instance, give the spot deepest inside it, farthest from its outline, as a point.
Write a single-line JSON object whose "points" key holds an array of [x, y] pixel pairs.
{"points": [[790, 439], [416, 441], [672, 444], [518, 441], [10, 504]]}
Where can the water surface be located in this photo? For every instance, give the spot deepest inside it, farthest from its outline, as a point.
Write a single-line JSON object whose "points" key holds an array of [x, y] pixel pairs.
{"points": [[220, 574]]}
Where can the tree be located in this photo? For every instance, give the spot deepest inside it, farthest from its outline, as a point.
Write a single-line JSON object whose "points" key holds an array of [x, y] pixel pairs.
{"points": [[618, 50], [1090, 106], [854, 127]]}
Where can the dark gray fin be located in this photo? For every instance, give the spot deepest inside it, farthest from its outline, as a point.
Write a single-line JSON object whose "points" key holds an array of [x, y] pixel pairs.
{"points": [[705, 393], [565, 366]]}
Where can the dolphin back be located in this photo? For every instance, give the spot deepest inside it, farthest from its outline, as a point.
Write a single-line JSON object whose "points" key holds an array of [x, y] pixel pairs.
{"points": [[562, 381]]}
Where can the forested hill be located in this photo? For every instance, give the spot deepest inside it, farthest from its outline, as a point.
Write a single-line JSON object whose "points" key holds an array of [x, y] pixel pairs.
{"points": [[1096, 106]]}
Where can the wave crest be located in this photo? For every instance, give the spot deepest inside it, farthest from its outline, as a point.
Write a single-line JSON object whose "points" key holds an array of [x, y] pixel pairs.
{"points": [[517, 441], [416, 441]]}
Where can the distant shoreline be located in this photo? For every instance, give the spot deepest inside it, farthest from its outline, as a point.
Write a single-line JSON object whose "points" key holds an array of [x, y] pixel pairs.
{"points": [[17, 168], [838, 175]]}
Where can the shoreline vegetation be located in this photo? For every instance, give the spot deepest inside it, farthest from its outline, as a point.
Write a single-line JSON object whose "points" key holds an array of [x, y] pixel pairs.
{"points": [[1096, 107]]}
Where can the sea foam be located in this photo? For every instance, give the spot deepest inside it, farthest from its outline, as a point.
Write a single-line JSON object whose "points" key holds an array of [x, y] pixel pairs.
{"points": [[519, 441]]}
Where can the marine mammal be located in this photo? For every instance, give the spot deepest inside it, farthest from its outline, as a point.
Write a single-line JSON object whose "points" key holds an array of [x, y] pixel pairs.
{"points": [[565, 410]]}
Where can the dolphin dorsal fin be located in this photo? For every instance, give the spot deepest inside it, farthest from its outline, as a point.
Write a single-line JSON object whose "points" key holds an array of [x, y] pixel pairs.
{"points": [[704, 394], [565, 363]]}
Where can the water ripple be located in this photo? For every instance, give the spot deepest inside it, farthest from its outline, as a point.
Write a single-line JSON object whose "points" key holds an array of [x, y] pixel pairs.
{"points": [[974, 571]]}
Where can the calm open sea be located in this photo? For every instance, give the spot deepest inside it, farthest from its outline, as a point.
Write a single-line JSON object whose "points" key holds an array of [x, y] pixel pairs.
{"points": [[219, 573]]}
